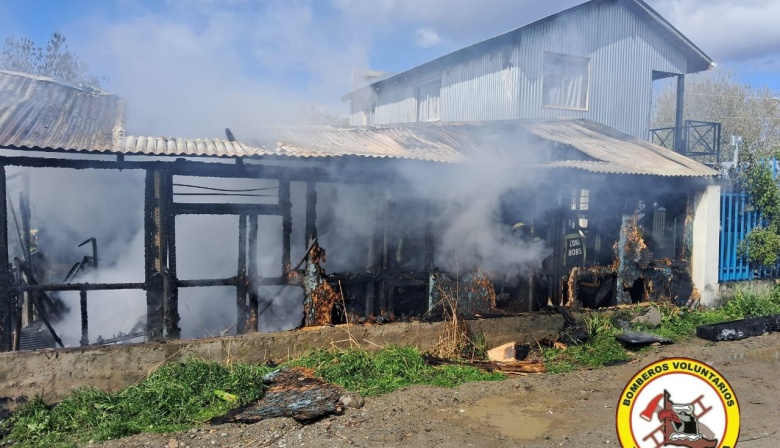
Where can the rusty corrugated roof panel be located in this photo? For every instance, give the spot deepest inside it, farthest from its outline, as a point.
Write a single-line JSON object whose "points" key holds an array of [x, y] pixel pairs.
{"points": [[38, 112]]}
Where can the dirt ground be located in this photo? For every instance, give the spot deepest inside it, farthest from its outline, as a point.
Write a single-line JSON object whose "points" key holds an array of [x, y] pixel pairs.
{"points": [[574, 409]]}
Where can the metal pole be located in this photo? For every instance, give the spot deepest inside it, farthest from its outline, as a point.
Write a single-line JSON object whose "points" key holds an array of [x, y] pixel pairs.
{"points": [[679, 134], [6, 304]]}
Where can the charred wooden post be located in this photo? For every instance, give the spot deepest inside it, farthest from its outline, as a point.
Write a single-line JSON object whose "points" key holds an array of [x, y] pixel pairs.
{"points": [[385, 265], [171, 315], [6, 302], [621, 295], [241, 279], [557, 241], [84, 341], [24, 216], [252, 273], [286, 206], [153, 259], [319, 297], [17, 298], [311, 212]]}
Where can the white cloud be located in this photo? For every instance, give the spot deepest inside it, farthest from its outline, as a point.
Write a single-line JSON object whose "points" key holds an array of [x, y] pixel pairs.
{"points": [[731, 32], [426, 37]]}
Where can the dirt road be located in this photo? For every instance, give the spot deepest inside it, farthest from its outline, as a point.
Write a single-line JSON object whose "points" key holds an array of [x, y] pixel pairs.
{"points": [[574, 409]]}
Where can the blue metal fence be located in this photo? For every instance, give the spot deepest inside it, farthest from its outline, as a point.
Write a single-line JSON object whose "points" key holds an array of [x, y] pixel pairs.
{"points": [[737, 219]]}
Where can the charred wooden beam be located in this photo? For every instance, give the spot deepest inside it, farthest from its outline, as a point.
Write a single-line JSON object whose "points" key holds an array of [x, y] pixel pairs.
{"points": [[80, 286], [232, 281], [171, 315], [152, 256], [241, 279], [226, 209], [292, 392], [84, 341], [182, 167], [6, 302], [286, 206], [254, 302]]}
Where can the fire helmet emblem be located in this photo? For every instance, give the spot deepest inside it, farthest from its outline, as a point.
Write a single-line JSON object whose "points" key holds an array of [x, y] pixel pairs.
{"points": [[678, 402]]}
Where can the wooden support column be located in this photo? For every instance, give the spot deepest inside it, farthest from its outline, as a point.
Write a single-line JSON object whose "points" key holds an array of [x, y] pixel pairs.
{"points": [[286, 205], [384, 285], [171, 316], [154, 254], [6, 302], [241, 278], [311, 212], [84, 341], [252, 272]]}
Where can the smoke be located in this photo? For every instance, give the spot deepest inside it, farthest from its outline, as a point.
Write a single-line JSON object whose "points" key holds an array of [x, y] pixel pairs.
{"points": [[211, 66], [472, 228]]}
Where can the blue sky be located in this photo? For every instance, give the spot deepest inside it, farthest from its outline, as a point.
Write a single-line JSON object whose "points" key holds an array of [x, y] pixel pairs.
{"points": [[193, 67]]}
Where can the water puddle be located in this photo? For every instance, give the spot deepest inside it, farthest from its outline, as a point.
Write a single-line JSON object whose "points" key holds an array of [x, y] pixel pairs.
{"points": [[511, 416], [770, 354]]}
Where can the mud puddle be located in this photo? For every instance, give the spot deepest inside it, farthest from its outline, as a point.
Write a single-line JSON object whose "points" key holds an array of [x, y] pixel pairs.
{"points": [[769, 354], [513, 416]]}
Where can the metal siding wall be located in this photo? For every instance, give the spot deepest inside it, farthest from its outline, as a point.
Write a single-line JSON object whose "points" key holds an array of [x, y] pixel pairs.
{"points": [[481, 88], [623, 49], [395, 104]]}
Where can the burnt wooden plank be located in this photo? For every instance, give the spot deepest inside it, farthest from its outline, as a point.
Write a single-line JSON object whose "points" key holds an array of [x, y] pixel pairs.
{"points": [[292, 392], [739, 329]]}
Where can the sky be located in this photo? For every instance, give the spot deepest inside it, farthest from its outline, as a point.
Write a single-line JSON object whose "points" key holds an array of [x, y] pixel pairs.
{"points": [[193, 67]]}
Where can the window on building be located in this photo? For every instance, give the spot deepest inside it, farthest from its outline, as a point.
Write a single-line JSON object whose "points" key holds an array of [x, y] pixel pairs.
{"points": [[368, 114], [427, 96], [566, 81]]}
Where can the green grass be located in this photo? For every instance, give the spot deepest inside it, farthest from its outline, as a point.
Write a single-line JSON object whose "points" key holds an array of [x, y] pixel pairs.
{"points": [[680, 323], [601, 349], [676, 323], [175, 397], [387, 370], [182, 395]]}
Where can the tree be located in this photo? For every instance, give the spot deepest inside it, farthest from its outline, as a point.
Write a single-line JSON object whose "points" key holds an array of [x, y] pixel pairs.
{"points": [[55, 61], [750, 112]]}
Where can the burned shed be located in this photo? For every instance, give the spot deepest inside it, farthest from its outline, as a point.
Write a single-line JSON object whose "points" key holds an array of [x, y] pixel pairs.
{"points": [[502, 216]]}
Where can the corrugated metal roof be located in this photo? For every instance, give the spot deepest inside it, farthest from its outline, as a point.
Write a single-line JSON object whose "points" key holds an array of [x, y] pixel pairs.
{"points": [[613, 151], [38, 112], [393, 142], [600, 149], [167, 146], [307, 142]]}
